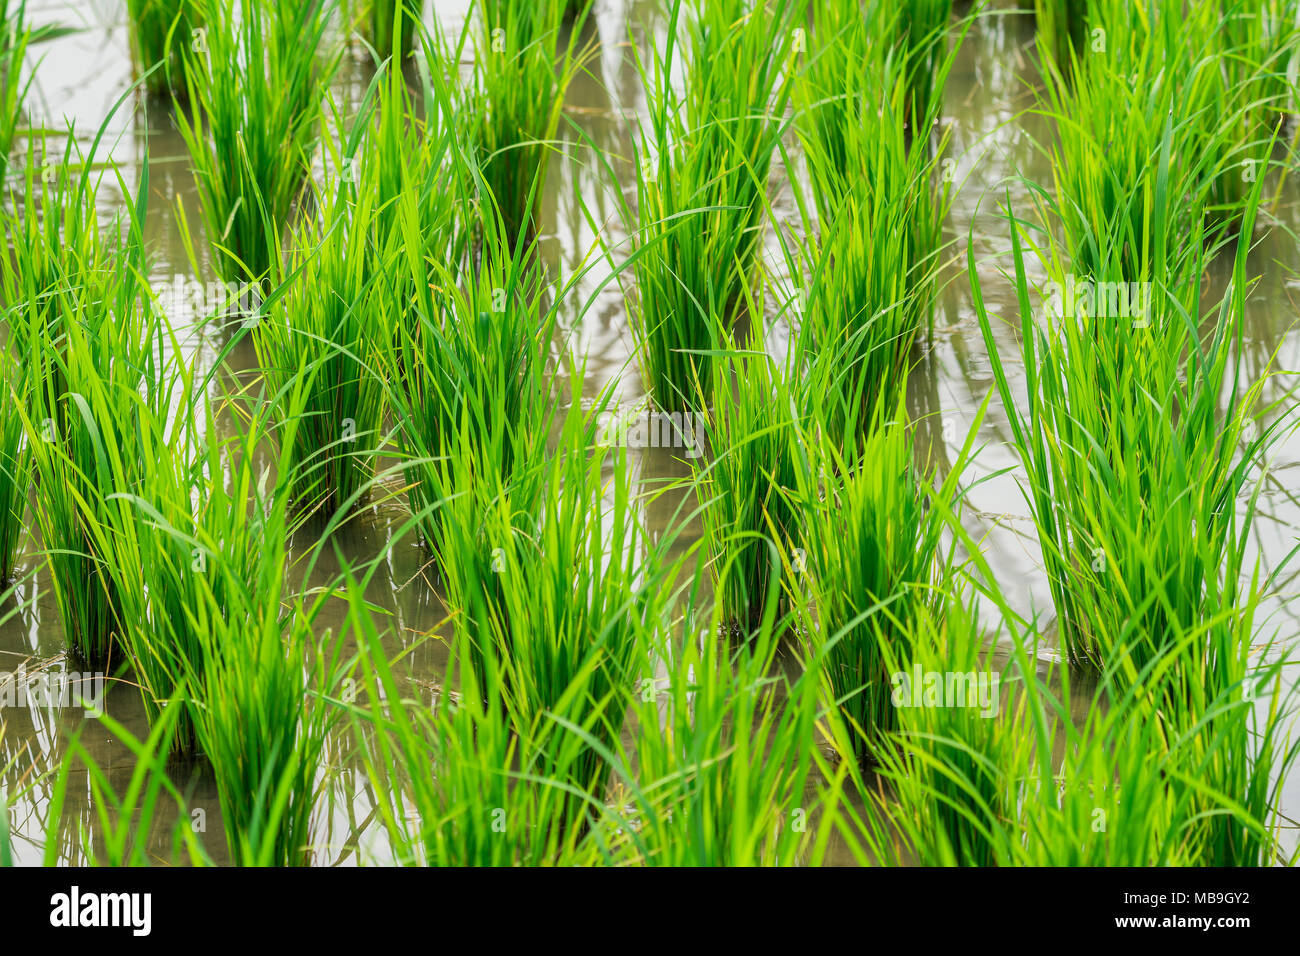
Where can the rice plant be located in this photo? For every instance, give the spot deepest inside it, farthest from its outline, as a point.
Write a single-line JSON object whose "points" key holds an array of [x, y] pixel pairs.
{"points": [[754, 431], [393, 25], [721, 767], [1154, 152], [413, 160], [159, 30], [253, 122], [1062, 26], [873, 563], [513, 108], [14, 459], [468, 368], [702, 167], [923, 38], [577, 590], [268, 672], [94, 362], [321, 328], [544, 664], [961, 737], [1131, 457], [866, 269], [1010, 770], [15, 37], [1254, 44], [474, 809]]}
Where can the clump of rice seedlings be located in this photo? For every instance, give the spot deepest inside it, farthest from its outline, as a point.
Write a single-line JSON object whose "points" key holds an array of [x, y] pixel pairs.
{"points": [[848, 77], [1182, 767], [1151, 143], [267, 678], [578, 585], [719, 769], [734, 116], [868, 286], [468, 367], [1062, 27], [14, 458], [872, 540], [1131, 457], [959, 727], [923, 38], [185, 534], [513, 107], [159, 29], [94, 363], [55, 242], [1025, 776], [393, 25], [412, 159], [1254, 43], [545, 664], [867, 268], [457, 785], [322, 326], [255, 95], [754, 430], [702, 167]]}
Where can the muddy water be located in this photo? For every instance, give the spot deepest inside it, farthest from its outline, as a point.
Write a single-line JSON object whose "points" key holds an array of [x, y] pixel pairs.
{"points": [[993, 143]]}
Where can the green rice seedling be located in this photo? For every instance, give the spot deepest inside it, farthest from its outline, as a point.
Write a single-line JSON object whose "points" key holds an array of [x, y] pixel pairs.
{"points": [[322, 326], [1024, 786], [867, 286], [1131, 458], [14, 459], [754, 431], [577, 587], [867, 282], [159, 29], [185, 534], [960, 734], [267, 676], [719, 768], [1036, 779], [923, 38], [95, 362], [255, 95], [551, 607], [1155, 151], [1157, 777], [1254, 43], [411, 158], [393, 25], [15, 37], [513, 107], [1062, 27], [486, 801], [56, 251], [850, 75], [702, 164], [468, 367], [873, 562]]}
